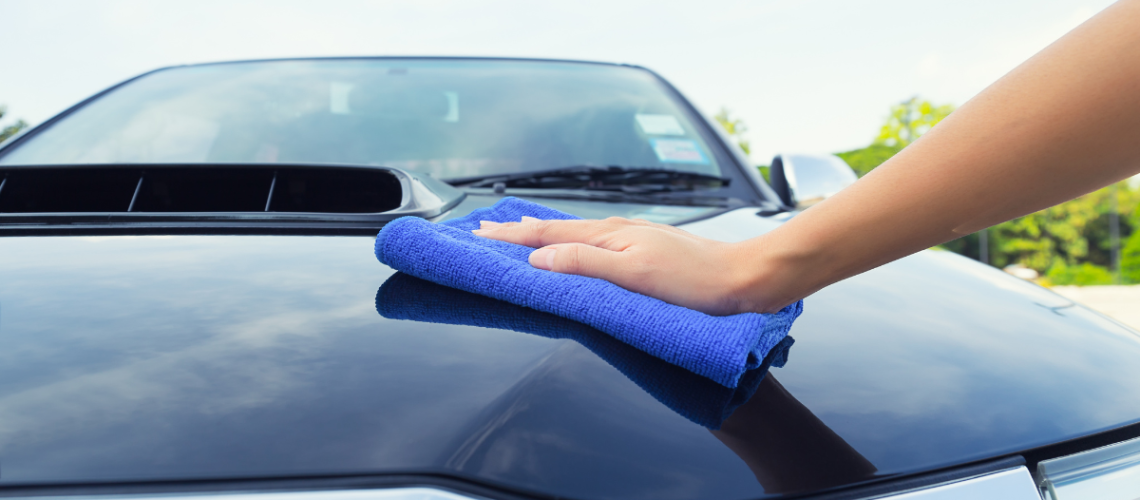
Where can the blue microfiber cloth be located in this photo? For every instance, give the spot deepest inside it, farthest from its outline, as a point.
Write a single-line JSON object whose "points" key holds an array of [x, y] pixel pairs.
{"points": [[721, 348], [694, 397]]}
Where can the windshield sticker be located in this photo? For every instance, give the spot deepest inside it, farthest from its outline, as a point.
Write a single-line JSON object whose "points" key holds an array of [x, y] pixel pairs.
{"points": [[659, 125], [678, 151], [452, 107], [338, 98]]}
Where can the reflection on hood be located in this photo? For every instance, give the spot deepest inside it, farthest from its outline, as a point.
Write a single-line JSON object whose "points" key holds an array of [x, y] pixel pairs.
{"points": [[788, 448], [694, 397]]}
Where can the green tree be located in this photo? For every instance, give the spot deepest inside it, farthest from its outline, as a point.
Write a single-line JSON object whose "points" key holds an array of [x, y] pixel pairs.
{"points": [[735, 128], [1083, 274], [1068, 243], [12, 129], [863, 160], [905, 123], [1130, 259], [910, 119]]}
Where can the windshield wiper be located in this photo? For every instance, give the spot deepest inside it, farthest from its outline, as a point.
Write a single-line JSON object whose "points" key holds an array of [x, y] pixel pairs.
{"points": [[621, 179]]}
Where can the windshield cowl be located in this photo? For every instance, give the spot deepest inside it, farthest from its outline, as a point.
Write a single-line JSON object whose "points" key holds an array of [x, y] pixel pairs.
{"points": [[633, 180], [679, 199]]}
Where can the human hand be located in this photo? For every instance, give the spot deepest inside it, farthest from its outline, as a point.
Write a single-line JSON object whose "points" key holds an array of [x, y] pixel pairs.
{"points": [[652, 259]]}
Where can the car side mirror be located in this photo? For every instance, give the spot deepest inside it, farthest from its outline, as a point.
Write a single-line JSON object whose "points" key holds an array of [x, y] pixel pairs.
{"points": [[804, 180]]}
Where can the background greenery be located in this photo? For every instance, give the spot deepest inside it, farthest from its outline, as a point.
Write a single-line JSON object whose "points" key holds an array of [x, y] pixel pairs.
{"points": [[1069, 244], [10, 130]]}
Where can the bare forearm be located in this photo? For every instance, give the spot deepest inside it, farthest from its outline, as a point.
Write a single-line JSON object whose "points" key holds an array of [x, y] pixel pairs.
{"points": [[1063, 124]]}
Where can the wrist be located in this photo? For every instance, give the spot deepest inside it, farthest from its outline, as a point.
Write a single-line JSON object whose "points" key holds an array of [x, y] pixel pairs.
{"points": [[771, 273]]}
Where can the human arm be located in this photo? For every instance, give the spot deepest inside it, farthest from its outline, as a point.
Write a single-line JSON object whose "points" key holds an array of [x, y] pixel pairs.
{"points": [[1064, 123]]}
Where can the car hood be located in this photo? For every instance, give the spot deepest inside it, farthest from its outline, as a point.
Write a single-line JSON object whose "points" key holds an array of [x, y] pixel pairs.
{"points": [[203, 357]]}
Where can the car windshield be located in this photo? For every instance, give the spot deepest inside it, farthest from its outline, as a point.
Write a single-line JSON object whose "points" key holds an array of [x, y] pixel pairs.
{"points": [[449, 118]]}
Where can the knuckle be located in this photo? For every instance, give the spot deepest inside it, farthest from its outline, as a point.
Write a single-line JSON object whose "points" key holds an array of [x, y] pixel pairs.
{"points": [[541, 229]]}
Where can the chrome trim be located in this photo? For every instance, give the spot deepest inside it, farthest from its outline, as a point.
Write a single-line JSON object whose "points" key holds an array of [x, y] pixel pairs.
{"points": [[1010, 484], [413, 493], [1096, 472]]}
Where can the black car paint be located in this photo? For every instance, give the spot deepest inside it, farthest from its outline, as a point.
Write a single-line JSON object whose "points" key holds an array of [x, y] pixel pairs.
{"points": [[196, 357]]}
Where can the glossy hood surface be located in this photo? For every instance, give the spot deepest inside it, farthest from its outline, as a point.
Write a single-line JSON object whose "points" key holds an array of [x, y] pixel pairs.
{"points": [[197, 357]]}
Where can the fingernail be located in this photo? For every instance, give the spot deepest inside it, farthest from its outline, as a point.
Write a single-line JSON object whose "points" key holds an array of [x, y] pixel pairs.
{"points": [[479, 232], [486, 224], [530, 219], [543, 258]]}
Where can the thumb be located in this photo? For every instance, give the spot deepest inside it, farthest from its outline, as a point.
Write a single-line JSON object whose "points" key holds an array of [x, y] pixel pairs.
{"points": [[578, 258]]}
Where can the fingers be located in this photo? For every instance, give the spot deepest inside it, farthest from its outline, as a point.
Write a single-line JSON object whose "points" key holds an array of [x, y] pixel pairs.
{"points": [[580, 259], [536, 233]]}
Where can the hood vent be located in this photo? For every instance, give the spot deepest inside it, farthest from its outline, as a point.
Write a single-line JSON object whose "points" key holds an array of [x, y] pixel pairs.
{"points": [[219, 193]]}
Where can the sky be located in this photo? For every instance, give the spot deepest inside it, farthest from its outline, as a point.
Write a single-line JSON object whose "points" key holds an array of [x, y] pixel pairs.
{"points": [[812, 76]]}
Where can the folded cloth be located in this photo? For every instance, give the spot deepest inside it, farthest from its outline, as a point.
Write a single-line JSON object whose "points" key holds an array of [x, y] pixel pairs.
{"points": [[694, 397], [721, 348]]}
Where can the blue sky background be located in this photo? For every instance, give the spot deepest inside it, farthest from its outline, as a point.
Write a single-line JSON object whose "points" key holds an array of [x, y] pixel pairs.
{"points": [[808, 76]]}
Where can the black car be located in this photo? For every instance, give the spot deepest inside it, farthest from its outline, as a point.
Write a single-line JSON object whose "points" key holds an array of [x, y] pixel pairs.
{"points": [[190, 306]]}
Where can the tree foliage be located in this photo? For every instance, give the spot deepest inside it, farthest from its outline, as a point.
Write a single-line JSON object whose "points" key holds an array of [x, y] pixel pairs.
{"points": [[1068, 243], [12, 129], [905, 123], [910, 119], [734, 127], [863, 160], [1130, 259]]}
